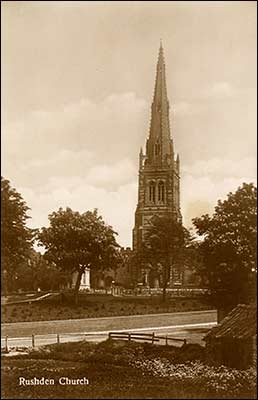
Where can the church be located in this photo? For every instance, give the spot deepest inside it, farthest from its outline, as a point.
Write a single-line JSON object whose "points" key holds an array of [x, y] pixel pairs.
{"points": [[159, 169], [158, 195]]}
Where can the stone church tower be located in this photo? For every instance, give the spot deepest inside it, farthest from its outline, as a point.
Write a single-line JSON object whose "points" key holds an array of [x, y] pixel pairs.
{"points": [[159, 170]]}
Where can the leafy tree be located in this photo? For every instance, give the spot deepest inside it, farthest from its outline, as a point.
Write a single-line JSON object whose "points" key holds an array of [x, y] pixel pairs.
{"points": [[36, 272], [165, 246], [16, 237], [75, 241], [229, 246]]}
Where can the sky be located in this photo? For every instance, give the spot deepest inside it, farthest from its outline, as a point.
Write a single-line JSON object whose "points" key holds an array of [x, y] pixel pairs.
{"points": [[77, 86]]}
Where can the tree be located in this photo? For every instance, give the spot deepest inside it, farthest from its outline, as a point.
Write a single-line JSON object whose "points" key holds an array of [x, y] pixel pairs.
{"points": [[75, 241], [164, 246], [229, 246], [36, 272], [16, 237]]}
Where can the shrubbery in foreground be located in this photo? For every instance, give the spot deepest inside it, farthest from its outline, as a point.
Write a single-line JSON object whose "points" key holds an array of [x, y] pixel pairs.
{"points": [[182, 370], [196, 374]]}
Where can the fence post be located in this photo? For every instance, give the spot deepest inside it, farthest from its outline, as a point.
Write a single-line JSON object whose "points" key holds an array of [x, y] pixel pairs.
{"points": [[129, 336], [58, 338], [166, 340], [152, 340], [109, 335], [33, 340], [6, 343]]}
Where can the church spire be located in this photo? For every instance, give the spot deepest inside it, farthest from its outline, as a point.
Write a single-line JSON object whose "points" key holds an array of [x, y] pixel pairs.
{"points": [[160, 92], [159, 144]]}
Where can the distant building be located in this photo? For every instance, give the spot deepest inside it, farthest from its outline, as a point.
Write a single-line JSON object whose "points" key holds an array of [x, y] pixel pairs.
{"points": [[233, 342], [120, 276]]}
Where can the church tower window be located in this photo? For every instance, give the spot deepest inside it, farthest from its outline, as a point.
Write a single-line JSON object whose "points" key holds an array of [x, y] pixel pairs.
{"points": [[161, 191], [152, 192]]}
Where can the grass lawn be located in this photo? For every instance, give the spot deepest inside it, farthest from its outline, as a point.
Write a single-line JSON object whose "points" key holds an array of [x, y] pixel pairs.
{"points": [[112, 371], [95, 305]]}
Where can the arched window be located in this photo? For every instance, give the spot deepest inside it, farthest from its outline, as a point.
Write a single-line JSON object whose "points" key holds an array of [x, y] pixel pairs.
{"points": [[161, 191], [152, 192]]}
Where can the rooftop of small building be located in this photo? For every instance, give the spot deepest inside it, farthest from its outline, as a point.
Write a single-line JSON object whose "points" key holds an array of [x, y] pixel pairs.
{"points": [[240, 323]]}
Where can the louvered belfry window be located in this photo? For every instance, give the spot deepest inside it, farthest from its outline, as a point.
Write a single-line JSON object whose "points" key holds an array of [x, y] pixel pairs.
{"points": [[161, 191]]}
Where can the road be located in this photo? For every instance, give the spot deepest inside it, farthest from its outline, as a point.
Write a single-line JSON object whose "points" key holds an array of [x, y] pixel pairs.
{"points": [[187, 325]]}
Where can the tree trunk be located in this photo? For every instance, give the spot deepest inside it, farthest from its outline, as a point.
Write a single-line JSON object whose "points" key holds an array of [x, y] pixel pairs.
{"points": [[165, 284], [77, 285]]}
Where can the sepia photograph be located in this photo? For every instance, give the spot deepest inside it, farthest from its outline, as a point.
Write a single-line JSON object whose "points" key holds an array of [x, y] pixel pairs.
{"points": [[129, 200]]}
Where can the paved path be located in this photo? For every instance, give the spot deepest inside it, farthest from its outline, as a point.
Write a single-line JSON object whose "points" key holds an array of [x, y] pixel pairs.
{"points": [[30, 298], [190, 325]]}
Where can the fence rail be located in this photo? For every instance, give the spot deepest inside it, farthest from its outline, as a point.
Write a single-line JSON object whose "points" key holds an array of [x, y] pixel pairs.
{"points": [[143, 336]]}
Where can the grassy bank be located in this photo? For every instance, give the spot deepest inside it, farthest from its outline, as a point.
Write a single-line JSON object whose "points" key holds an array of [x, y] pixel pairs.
{"points": [[117, 369], [94, 305]]}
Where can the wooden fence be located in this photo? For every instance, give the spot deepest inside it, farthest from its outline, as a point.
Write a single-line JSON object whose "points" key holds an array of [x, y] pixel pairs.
{"points": [[36, 340], [143, 336]]}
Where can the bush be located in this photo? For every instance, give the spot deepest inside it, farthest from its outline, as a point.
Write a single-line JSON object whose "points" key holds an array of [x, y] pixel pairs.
{"points": [[167, 362], [214, 380]]}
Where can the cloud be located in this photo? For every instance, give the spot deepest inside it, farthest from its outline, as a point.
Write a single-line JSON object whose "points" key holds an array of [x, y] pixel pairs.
{"points": [[184, 108], [37, 172], [116, 207], [201, 102], [69, 140], [222, 168], [220, 94], [220, 90], [112, 176], [205, 182]]}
